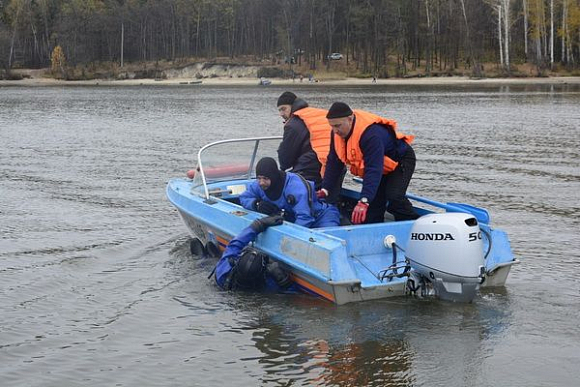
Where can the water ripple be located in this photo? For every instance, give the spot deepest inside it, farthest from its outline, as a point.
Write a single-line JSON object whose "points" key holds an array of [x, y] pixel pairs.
{"points": [[99, 287]]}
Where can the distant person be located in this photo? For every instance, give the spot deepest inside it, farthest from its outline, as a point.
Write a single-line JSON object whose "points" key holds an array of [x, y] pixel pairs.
{"points": [[245, 268], [276, 191], [374, 79], [377, 153], [306, 139]]}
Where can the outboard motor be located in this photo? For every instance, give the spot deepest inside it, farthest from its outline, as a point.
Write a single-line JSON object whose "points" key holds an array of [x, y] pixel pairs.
{"points": [[446, 253]]}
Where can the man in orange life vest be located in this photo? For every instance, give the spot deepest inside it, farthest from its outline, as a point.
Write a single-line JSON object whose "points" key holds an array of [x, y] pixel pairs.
{"points": [[377, 153], [306, 140]]}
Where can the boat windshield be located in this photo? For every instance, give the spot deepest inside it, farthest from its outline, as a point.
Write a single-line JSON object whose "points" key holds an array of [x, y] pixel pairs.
{"points": [[231, 160]]}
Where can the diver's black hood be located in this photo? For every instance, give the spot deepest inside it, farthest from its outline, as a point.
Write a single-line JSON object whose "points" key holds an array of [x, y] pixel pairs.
{"points": [[268, 167]]}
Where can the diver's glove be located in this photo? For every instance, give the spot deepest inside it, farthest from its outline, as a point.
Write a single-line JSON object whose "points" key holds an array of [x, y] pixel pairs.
{"points": [[262, 224], [277, 272], [265, 207]]}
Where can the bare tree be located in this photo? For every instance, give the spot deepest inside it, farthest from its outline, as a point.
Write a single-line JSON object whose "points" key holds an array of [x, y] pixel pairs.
{"points": [[502, 8], [505, 4], [473, 61], [551, 33], [526, 28]]}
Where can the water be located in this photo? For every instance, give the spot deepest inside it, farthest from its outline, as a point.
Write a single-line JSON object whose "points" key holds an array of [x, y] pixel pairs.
{"points": [[97, 286]]}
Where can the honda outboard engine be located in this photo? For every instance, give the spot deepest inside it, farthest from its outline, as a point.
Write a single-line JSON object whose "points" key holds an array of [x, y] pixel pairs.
{"points": [[446, 253]]}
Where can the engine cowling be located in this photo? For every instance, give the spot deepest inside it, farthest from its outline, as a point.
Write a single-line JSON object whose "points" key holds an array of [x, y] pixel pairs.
{"points": [[447, 250]]}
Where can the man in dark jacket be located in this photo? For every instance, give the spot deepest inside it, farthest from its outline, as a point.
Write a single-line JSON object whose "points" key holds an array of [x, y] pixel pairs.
{"points": [[296, 149], [376, 152]]}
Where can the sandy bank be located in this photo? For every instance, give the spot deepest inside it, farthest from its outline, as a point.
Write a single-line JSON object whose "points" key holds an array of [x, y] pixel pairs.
{"points": [[253, 81]]}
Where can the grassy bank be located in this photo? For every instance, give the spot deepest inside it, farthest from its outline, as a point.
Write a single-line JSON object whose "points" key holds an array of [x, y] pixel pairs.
{"points": [[247, 68]]}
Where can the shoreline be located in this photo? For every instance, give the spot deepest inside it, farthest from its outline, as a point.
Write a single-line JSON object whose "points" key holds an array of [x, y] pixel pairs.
{"points": [[226, 81]]}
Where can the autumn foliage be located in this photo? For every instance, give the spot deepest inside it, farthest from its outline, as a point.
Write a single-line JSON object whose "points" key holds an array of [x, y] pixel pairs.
{"points": [[57, 62]]}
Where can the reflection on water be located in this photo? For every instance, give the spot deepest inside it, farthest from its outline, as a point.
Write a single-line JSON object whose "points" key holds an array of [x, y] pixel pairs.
{"points": [[329, 354], [391, 342], [99, 287]]}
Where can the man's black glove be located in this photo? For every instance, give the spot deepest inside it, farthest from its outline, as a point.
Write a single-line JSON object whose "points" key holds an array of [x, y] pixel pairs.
{"points": [[261, 224], [266, 207]]}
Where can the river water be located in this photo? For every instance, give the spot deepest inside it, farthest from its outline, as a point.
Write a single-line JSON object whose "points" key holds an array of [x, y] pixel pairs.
{"points": [[98, 288]]}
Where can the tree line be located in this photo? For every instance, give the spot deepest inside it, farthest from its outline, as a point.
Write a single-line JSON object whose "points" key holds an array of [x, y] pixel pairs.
{"points": [[381, 37]]}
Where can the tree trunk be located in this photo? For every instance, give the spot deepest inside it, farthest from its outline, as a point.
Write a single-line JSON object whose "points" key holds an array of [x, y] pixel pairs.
{"points": [[122, 43], [476, 68], [544, 32], [524, 2], [330, 26], [564, 29], [13, 39], [233, 27], [311, 42], [197, 35], [538, 46], [289, 51], [499, 18], [348, 13], [173, 32], [506, 35], [215, 37], [429, 42], [537, 11], [551, 34]]}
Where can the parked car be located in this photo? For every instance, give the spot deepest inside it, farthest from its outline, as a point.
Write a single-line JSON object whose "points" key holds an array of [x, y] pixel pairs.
{"points": [[264, 82], [335, 56]]}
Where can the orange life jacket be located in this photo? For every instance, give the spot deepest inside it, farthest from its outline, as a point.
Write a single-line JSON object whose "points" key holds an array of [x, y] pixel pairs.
{"points": [[351, 154], [320, 131]]}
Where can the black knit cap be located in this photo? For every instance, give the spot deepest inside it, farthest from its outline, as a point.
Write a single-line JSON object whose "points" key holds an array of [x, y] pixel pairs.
{"points": [[268, 167], [286, 98], [339, 110]]}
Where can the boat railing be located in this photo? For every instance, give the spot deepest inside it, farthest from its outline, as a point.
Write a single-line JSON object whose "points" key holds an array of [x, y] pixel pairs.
{"points": [[480, 214], [252, 148]]}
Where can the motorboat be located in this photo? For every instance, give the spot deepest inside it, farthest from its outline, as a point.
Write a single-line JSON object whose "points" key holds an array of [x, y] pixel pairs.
{"points": [[450, 252]]}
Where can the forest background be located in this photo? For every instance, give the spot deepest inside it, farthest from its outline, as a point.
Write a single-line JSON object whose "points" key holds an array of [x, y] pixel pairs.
{"points": [[87, 39]]}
